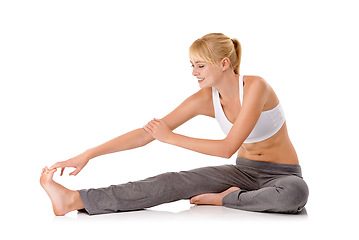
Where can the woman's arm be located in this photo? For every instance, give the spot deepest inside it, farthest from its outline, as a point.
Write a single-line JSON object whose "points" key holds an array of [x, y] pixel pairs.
{"points": [[159, 130], [206, 146], [254, 99], [130, 140], [134, 139], [192, 106]]}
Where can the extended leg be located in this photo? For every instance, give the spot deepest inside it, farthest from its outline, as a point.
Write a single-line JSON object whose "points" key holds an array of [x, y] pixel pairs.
{"points": [[164, 188]]}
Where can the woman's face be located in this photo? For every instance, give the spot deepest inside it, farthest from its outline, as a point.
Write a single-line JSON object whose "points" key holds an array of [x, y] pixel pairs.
{"points": [[207, 74]]}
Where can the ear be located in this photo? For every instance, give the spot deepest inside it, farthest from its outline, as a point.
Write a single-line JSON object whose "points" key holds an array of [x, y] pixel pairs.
{"points": [[225, 64]]}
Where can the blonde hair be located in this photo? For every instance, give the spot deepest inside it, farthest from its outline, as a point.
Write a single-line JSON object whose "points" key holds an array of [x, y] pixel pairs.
{"points": [[214, 47]]}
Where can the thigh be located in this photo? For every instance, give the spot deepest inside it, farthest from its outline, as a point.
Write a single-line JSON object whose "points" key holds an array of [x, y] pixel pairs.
{"points": [[214, 179], [290, 183]]}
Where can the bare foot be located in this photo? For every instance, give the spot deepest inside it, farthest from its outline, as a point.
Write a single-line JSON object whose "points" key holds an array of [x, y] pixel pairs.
{"points": [[63, 200], [212, 198]]}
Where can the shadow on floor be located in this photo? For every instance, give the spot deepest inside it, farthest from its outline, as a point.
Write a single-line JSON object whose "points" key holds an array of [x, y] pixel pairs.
{"points": [[194, 213]]}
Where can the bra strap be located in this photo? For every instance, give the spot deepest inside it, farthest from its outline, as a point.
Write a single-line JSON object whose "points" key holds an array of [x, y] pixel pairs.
{"points": [[216, 102], [241, 89]]}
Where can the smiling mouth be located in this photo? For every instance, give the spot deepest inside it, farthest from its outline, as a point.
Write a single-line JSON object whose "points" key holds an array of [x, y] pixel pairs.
{"points": [[200, 80]]}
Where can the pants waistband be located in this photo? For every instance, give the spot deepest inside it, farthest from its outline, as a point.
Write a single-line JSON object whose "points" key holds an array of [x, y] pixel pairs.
{"points": [[269, 166]]}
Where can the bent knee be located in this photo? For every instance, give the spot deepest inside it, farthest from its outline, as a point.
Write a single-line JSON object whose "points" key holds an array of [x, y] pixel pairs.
{"points": [[294, 194]]}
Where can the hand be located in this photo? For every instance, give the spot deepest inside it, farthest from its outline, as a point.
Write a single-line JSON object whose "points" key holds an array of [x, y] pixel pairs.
{"points": [[78, 162], [158, 129]]}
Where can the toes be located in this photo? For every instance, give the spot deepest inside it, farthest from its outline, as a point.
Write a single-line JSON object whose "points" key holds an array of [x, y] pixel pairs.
{"points": [[45, 169], [194, 200], [51, 172]]}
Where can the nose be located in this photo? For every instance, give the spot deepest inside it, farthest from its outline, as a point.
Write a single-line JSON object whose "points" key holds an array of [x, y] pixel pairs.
{"points": [[194, 72]]}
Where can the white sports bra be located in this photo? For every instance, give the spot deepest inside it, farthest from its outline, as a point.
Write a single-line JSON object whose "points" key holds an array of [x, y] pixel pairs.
{"points": [[268, 124]]}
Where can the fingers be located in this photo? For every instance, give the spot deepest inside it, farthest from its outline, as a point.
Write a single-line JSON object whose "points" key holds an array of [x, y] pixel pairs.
{"points": [[147, 127], [153, 126], [65, 164], [57, 165], [47, 170], [54, 169], [154, 123], [150, 126], [74, 173], [157, 120], [51, 172], [148, 130], [62, 171], [61, 165]]}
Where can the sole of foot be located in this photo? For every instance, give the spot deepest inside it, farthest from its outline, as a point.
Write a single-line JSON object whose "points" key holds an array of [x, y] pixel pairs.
{"points": [[212, 198]]}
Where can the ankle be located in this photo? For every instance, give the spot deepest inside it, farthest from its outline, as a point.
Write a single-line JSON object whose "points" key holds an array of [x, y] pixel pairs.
{"points": [[75, 202]]}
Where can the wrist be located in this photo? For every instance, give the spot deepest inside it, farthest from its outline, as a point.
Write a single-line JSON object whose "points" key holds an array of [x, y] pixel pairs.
{"points": [[171, 138], [90, 153]]}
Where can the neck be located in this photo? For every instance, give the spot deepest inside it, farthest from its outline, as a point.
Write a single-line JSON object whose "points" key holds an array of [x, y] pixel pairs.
{"points": [[228, 87]]}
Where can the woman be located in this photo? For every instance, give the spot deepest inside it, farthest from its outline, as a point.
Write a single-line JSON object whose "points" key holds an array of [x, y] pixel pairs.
{"points": [[266, 177]]}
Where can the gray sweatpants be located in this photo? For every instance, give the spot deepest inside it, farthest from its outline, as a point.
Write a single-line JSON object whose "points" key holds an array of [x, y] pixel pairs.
{"points": [[264, 187]]}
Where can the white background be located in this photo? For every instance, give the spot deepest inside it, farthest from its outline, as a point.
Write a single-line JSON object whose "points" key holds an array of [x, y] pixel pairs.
{"points": [[75, 74]]}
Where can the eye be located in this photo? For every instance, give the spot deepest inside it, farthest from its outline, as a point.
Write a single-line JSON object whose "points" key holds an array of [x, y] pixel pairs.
{"points": [[201, 66]]}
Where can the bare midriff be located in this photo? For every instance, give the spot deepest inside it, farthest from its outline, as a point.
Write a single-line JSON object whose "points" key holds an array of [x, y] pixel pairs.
{"points": [[277, 149]]}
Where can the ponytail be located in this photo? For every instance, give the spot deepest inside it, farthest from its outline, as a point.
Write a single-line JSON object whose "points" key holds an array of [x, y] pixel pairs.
{"points": [[238, 50]]}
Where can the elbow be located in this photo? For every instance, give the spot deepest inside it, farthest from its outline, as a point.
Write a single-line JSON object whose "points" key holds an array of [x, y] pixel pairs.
{"points": [[225, 153], [227, 150], [228, 155]]}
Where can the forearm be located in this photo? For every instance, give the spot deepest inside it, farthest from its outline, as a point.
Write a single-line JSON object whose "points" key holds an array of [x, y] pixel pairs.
{"points": [[134, 139], [210, 147]]}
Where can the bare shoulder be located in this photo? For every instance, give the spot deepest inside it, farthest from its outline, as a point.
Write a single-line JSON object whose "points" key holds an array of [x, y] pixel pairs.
{"points": [[256, 86], [204, 99], [198, 103], [204, 94], [254, 81]]}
